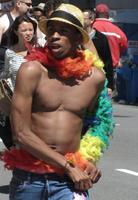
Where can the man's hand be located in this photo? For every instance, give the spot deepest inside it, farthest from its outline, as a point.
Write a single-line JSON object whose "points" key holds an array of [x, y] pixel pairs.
{"points": [[93, 172], [110, 92], [81, 179]]}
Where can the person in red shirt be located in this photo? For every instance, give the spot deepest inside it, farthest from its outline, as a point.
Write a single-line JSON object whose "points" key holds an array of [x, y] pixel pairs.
{"points": [[116, 37]]}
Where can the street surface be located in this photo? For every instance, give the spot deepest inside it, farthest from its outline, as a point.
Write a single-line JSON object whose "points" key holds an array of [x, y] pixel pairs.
{"points": [[119, 164]]}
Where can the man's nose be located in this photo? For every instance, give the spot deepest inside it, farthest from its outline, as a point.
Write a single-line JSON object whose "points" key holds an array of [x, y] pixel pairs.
{"points": [[56, 34]]}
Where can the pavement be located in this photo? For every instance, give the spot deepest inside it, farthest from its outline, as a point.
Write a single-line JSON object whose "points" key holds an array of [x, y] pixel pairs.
{"points": [[119, 164]]}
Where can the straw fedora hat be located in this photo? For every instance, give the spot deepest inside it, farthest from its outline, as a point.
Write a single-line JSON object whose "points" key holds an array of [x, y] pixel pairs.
{"points": [[69, 14]]}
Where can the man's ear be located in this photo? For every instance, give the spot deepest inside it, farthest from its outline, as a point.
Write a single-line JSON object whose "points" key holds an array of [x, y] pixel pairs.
{"points": [[79, 38]]}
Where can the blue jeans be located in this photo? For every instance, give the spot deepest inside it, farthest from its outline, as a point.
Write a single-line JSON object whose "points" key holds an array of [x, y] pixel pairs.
{"points": [[31, 186]]}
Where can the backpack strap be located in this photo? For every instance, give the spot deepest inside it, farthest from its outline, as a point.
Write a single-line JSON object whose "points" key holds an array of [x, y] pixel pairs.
{"points": [[10, 18]]}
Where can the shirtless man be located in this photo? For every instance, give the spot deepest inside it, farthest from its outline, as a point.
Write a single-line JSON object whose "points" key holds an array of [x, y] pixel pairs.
{"points": [[51, 97]]}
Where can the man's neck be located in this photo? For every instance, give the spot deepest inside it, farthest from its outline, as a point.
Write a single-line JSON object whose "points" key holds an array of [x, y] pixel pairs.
{"points": [[89, 29], [14, 13]]}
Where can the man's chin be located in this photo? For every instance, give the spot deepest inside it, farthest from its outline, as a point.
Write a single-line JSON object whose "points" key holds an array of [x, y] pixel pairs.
{"points": [[58, 55]]}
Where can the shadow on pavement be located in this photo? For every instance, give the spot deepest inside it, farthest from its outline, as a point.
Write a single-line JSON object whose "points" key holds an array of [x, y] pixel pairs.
{"points": [[4, 189]]}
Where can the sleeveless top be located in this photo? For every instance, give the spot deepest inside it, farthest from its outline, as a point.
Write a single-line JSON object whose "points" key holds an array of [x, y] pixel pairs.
{"points": [[13, 62], [5, 42]]}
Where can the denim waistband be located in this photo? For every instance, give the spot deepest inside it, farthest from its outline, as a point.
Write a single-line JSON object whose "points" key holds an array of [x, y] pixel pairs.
{"points": [[24, 175]]}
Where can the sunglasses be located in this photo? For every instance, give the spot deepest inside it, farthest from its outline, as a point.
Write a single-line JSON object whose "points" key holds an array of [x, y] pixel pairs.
{"points": [[28, 4]]}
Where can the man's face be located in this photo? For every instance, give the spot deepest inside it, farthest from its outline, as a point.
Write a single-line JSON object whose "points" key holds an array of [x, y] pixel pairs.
{"points": [[37, 14], [62, 39], [87, 20], [24, 5]]}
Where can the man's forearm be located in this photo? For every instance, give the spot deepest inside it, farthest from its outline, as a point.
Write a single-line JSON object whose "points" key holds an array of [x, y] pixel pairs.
{"points": [[39, 149]]}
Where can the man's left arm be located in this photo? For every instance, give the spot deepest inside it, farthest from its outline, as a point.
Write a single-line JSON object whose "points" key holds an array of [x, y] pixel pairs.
{"points": [[98, 128]]}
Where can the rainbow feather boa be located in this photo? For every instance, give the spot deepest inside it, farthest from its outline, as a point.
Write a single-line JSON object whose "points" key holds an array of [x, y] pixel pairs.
{"points": [[99, 128]]}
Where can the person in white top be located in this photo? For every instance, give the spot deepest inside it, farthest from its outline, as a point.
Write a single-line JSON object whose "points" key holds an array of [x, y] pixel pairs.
{"points": [[22, 32]]}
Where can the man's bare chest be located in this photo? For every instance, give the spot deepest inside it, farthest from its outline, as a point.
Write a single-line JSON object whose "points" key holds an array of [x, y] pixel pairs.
{"points": [[52, 95]]}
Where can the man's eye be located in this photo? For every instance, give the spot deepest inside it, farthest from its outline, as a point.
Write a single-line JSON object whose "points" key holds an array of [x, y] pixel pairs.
{"points": [[50, 30], [64, 31]]}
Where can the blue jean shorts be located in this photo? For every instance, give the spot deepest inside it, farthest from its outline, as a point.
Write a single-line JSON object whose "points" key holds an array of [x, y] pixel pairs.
{"points": [[31, 186]]}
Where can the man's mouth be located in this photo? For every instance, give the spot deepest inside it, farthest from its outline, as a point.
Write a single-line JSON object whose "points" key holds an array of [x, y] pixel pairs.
{"points": [[55, 46], [55, 49]]}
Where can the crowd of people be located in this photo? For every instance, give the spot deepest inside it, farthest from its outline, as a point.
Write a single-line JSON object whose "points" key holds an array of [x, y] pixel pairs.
{"points": [[61, 62]]}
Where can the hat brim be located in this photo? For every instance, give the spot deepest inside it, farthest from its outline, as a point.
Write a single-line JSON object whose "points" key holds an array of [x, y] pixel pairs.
{"points": [[38, 8], [43, 27]]}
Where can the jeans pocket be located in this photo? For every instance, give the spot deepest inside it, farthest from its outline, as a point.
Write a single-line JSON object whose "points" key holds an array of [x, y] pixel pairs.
{"points": [[29, 189], [17, 186]]}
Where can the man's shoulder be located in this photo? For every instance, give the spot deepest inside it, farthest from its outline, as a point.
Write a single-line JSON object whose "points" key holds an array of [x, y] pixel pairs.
{"points": [[32, 65], [116, 28], [97, 79], [98, 75], [31, 68]]}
